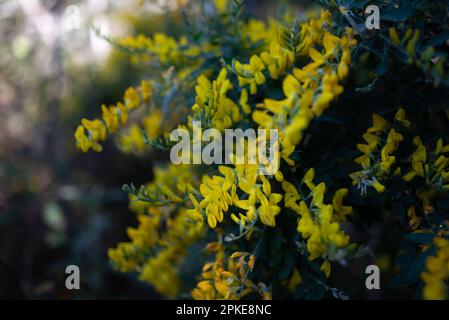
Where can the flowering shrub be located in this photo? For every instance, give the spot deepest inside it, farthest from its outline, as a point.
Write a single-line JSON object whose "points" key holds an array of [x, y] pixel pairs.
{"points": [[363, 131]]}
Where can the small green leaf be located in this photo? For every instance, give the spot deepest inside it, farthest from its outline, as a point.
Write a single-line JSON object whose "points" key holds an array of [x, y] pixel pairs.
{"points": [[422, 238], [411, 272], [439, 39], [399, 14]]}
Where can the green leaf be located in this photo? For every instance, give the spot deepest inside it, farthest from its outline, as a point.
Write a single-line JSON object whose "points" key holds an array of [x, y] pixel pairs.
{"points": [[358, 4], [439, 39], [421, 238], [398, 14], [288, 264], [411, 272]]}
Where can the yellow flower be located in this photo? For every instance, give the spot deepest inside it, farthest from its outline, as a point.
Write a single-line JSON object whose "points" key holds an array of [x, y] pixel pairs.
{"points": [[212, 106], [295, 280], [146, 89], [89, 133], [132, 140], [121, 257], [414, 220], [322, 103], [251, 262], [290, 86], [162, 274], [400, 116], [251, 73], [226, 278], [316, 56], [378, 186], [337, 202], [96, 129], [394, 36], [263, 119], [419, 157], [269, 209], [308, 179], [330, 43], [379, 124], [291, 196], [111, 118], [342, 70], [204, 291], [244, 102], [132, 98], [326, 268], [411, 45], [437, 271], [434, 168], [317, 224], [195, 214], [82, 141], [318, 195], [277, 59], [391, 145], [331, 89], [440, 147], [152, 123], [367, 149], [256, 67], [221, 5], [217, 193], [377, 164]]}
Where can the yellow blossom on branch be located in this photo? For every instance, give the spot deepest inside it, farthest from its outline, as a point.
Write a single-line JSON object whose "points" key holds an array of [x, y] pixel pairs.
{"points": [[91, 132]]}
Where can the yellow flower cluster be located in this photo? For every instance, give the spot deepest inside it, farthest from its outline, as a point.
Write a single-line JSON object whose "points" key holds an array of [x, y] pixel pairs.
{"points": [[259, 32], [377, 160], [414, 220], [227, 278], [409, 40], [186, 56], [311, 73], [217, 193], [91, 132], [308, 90], [437, 272], [160, 242], [212, 106], [259, 200], [222, 191], [433, 168], [162, 48], [221, 6], [312, 31], [319, 222], [427, 60], [254, 32], [171, 185], [278, 59], [158, 266], [133, 139]]}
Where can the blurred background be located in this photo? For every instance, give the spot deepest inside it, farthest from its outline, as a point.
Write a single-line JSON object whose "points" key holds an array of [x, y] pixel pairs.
{"points": [[58, 206]]}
